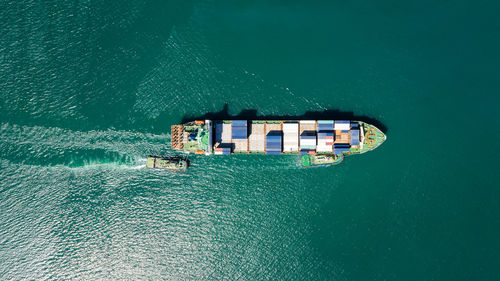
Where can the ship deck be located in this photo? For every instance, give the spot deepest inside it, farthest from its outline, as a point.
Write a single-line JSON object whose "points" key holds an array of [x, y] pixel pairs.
{"points": [[297, 136]]}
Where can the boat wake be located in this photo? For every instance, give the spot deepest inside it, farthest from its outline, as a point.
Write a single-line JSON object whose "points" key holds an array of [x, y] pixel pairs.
{"points": [[49, 146]]}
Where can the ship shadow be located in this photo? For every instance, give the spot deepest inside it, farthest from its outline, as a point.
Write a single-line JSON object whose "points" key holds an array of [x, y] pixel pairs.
{"points": [[252, 114]]}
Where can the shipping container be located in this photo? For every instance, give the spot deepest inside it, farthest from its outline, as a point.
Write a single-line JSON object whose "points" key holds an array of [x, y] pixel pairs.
{"points": [[307, 147], [354, 134], [340, 150], [324, 148], [239, 123], [342, 125], [324, 135], [291, 127], [342, 145], [239, 132], [290, 137], [325, 127], [306, 122], [325, 122], [273, 141]]}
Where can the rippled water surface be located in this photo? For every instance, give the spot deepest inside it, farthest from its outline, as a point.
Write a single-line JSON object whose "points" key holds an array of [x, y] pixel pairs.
{"points": [[89, 88]]}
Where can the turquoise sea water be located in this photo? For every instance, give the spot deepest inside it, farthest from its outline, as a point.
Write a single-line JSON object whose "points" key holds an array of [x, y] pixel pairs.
{"points": [[89, 88]]}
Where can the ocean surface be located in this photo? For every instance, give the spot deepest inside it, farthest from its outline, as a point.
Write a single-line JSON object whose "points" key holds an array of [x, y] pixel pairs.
{"points": [[89, 88]]}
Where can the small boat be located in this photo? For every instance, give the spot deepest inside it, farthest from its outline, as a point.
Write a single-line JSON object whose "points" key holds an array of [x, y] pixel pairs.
{"points": [[321, 160], [166, 163]]}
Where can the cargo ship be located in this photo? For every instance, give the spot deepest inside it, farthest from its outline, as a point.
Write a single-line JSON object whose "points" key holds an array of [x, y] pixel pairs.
{"points": [[166, 163], [319, 142]]}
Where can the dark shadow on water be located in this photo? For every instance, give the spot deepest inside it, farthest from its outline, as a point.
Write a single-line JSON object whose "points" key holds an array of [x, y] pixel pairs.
{"points": [[251, 114]]}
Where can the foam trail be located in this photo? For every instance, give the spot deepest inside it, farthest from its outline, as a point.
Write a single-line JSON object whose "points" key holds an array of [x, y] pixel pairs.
{"points": [[49, 146]]}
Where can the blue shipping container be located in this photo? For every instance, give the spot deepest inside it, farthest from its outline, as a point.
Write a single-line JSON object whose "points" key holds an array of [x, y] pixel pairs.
{"points": [[323, 135], [341, 145], [239, 123], [354, 137], [239, 132], [273, 137], [340, 150], [342, 121], [325, 127]]}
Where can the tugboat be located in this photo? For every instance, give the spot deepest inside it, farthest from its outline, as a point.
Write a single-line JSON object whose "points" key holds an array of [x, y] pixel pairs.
{"points": [[166, 163], [321, 160]]}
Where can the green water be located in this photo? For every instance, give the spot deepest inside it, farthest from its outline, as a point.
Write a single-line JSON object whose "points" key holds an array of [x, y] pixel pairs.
{"points": [[89, 88]]}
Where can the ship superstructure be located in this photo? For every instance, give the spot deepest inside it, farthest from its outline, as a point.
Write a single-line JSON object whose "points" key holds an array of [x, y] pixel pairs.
{"points": [[321, 142]]}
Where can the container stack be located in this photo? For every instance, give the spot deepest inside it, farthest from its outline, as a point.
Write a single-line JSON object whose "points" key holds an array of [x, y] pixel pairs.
{"points": [[325, 136], [239, 135], [342, 125], [290, 137], [325, 142], [354, 136], [340, 148], [239, 129], [308, 140], [273, 142]]}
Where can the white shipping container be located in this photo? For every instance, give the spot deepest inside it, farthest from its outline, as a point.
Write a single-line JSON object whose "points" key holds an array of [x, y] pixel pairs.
{"points": [[338, 126], [308, 142], [290, 137], [325, 148], [291, 128], [308, 122]]}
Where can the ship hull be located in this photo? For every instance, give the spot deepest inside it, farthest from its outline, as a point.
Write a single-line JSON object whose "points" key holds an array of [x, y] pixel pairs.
{"points": [[319, 138]]}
